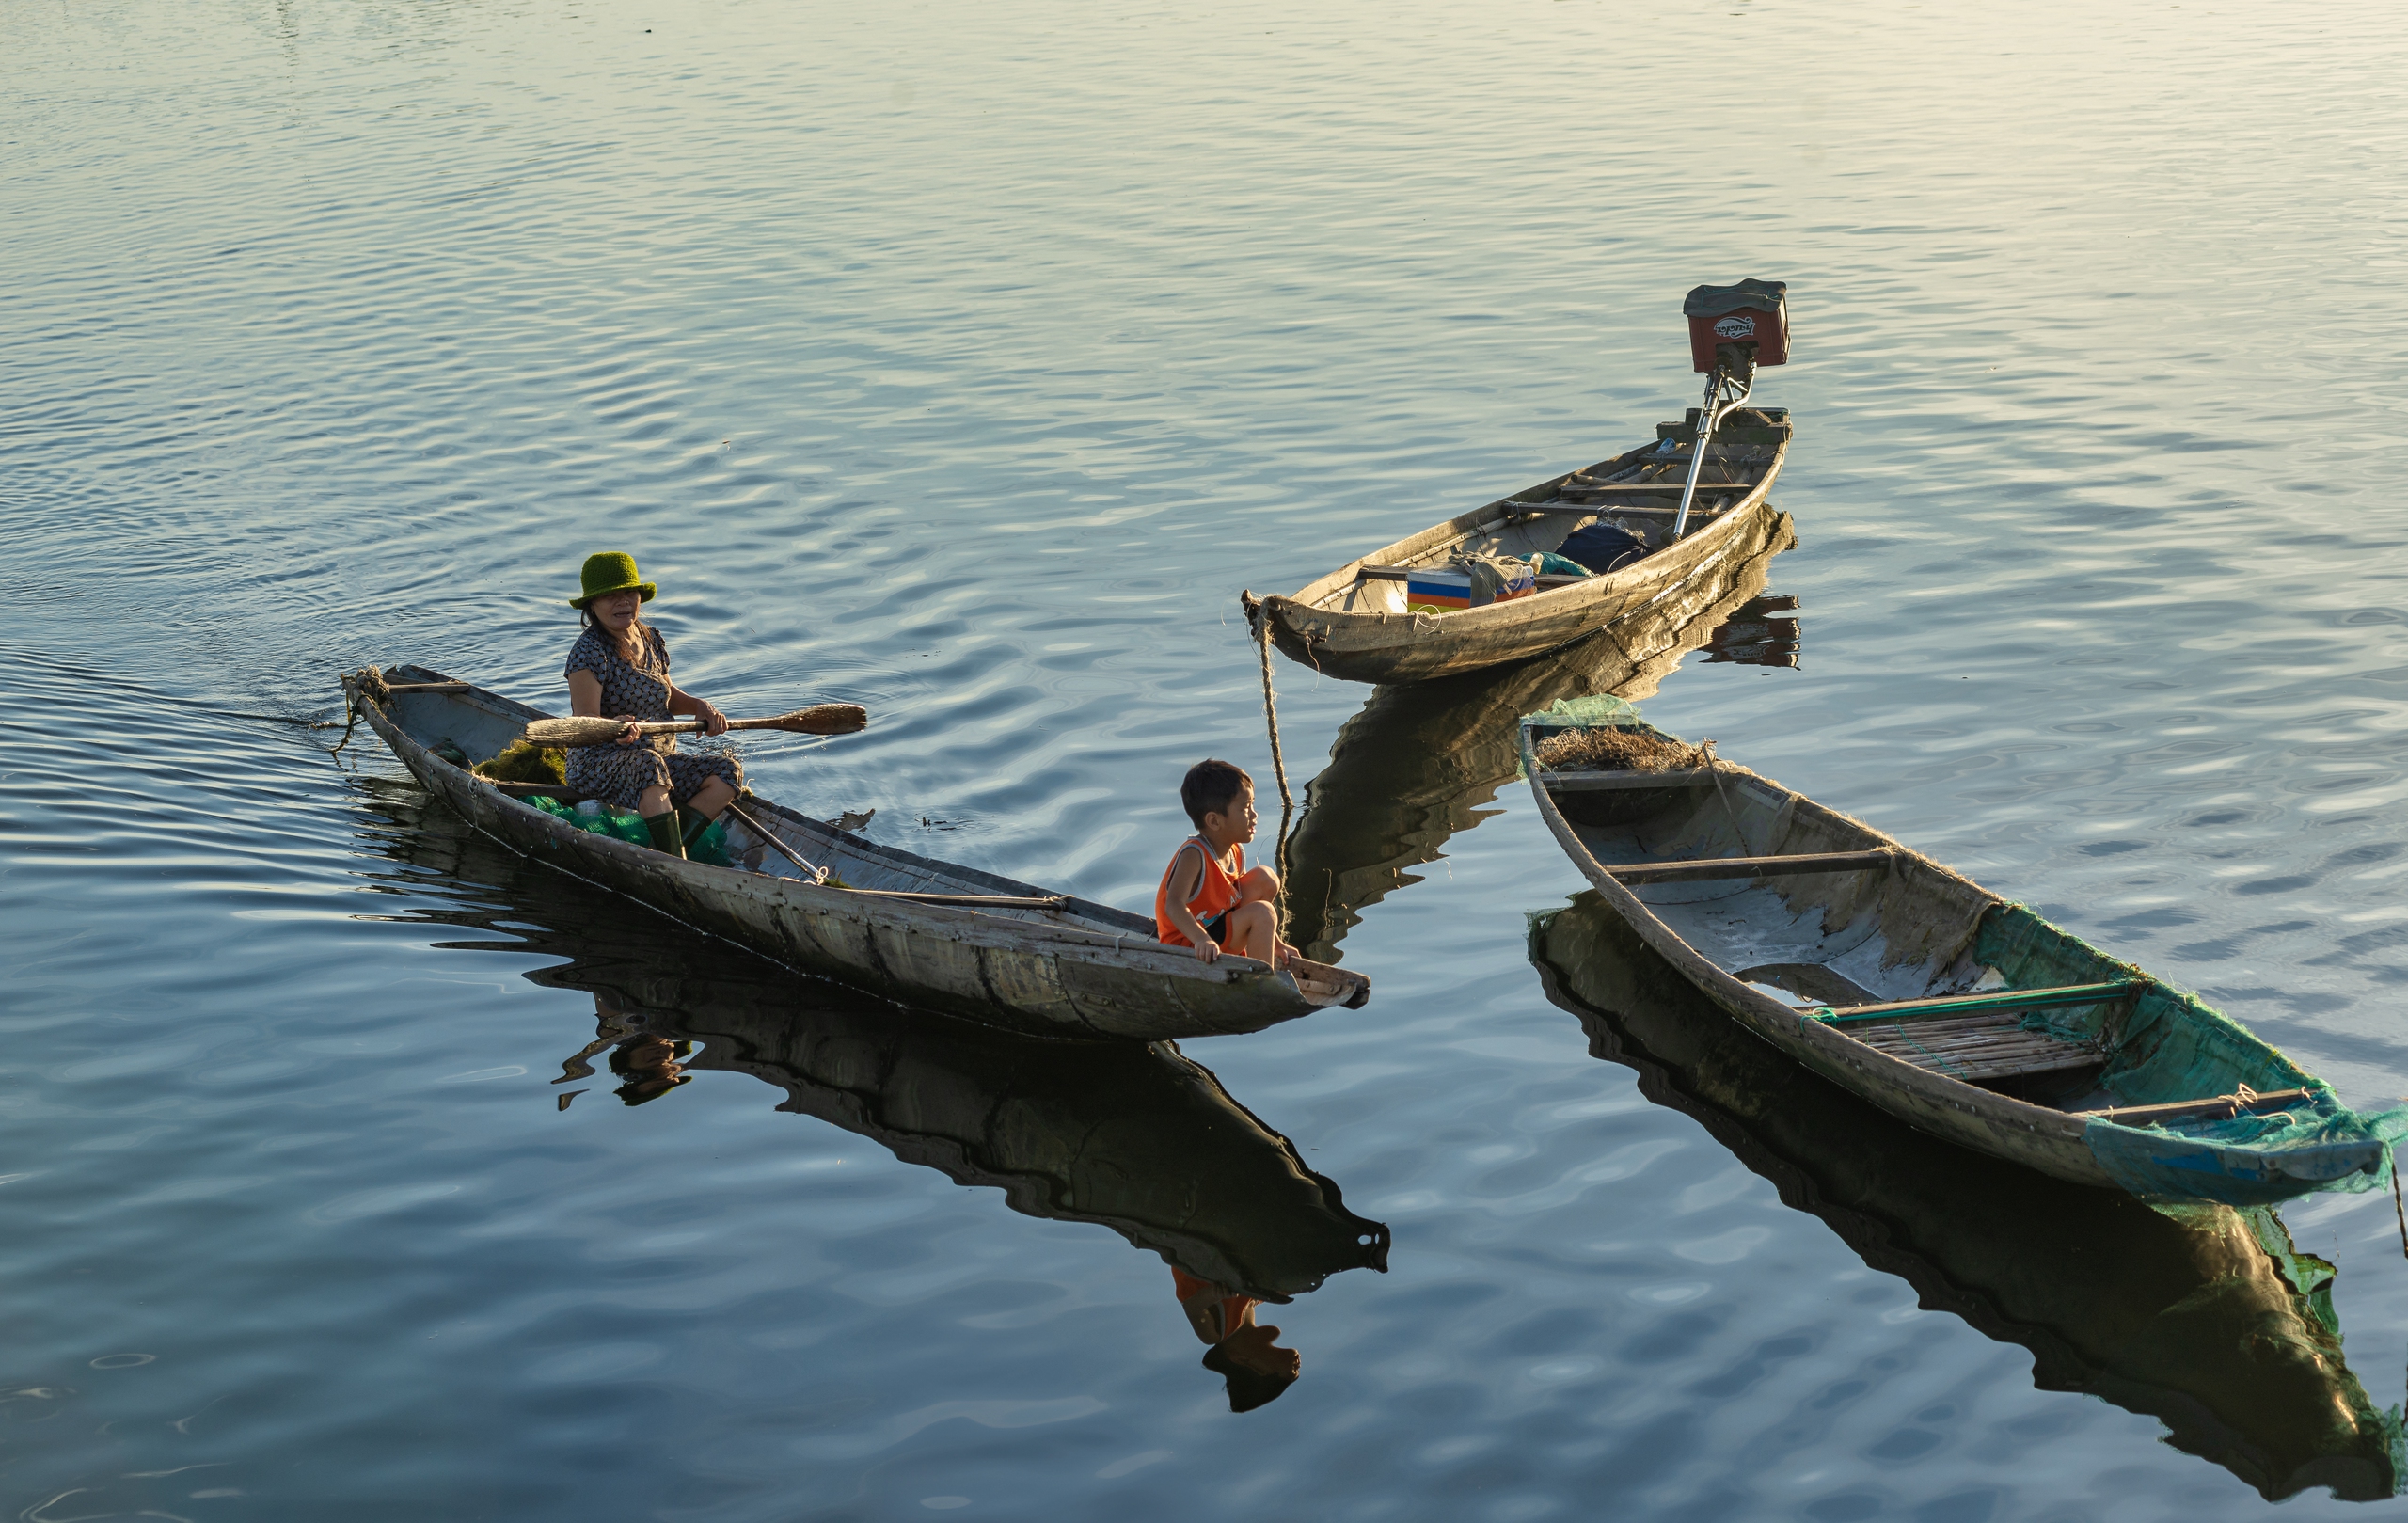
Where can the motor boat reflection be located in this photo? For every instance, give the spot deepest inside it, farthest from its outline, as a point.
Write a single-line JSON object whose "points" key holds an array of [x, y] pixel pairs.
{"points": [[2213, 1323], [1423, 760], [1757, 634], [1138, 1139]]}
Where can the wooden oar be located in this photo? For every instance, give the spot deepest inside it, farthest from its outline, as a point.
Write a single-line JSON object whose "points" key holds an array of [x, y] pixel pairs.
{"points": [[819, 719]]}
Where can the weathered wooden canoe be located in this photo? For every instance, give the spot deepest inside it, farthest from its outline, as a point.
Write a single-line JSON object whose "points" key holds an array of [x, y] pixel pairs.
{"points": [[1354, 623], [1063, 967], [2210, 1319], [1957, 1012], [1133, 1136], [1421, 761]]}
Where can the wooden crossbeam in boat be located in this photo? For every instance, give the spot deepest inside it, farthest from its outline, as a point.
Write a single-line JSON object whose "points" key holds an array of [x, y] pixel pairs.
{"points": [[1996, 999], [1630, 510], [2217, 1108], [1672, 777], [1371, 573], [1703, 868], [1657, 486]]}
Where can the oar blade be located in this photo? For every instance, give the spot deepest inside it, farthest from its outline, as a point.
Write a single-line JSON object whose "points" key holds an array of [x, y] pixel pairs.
{"points": [[585, 731], [821, 719]]}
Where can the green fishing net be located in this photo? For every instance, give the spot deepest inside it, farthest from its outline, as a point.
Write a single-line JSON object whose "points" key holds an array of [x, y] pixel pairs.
{"points": [[2173, 1047]]}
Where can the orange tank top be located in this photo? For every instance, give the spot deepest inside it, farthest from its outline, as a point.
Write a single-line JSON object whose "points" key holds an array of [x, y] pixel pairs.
{"points": [[1214, 894]]}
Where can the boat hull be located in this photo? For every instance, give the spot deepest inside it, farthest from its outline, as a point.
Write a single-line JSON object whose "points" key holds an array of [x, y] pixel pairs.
{"points": [[1421, 761], [2208, 1319], [1939, 946], [1319, 627], [1103, 976]]}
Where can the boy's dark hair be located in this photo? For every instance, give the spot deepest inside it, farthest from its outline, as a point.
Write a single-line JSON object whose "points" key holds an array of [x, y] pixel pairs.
{"points": [[1209, 787]]}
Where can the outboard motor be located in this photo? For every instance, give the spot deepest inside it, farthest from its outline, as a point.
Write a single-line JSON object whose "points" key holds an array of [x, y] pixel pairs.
{"points": [[1733, 329], [1739, 328]]}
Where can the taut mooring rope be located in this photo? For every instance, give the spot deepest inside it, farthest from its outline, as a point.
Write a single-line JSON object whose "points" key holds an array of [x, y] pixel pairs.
{"points": [[1278, 763], [2396, 1209]]}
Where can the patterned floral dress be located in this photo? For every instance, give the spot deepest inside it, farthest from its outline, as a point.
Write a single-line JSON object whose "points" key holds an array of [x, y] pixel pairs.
{"points": [[618, 774]]}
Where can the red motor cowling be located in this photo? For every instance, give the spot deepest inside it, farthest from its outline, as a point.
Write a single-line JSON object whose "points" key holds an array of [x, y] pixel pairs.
{"points": [[1750, 320]]}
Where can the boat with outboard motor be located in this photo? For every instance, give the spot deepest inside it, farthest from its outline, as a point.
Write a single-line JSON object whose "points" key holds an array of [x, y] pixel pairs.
{"points": [[1958, 1012], [910, 928], [1360, 622], [1421, 761], [1554, 562]]}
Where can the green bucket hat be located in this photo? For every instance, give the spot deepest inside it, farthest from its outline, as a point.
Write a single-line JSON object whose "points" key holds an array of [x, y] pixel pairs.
{"points": [[612, 571]]}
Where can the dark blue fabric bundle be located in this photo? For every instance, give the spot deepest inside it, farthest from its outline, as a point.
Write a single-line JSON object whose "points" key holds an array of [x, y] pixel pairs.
{"points": [[1601, 547]]}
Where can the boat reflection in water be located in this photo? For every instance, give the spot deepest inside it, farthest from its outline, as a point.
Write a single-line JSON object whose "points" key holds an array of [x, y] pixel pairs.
{"points": [[1138, 1138], [1421, 761], [1763, 632], [2213, 1324]]}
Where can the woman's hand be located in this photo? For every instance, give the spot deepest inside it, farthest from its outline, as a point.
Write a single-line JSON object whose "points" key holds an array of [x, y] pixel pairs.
{"points": [[629, 736], [714, 722]]}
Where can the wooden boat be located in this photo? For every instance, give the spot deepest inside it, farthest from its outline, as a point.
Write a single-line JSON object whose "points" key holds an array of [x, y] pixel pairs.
{"points": [[1135, 1137], [1421, 761], [906, 927], [2210, 1319], [1959, 1013], [1356, 622]]}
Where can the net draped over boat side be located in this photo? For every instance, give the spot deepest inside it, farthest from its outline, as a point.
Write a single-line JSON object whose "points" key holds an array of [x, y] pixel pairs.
{"points": [[2173, 1047]]}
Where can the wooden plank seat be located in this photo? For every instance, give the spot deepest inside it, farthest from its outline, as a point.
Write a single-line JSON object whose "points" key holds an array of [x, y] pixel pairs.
{"points": [[1672, 484], [1992, 999], [1626, 510], [1990, 1045], [1703, 868], [1371, 573]]}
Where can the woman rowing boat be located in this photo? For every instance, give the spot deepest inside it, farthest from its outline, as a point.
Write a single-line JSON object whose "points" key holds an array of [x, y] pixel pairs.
{"points": [[619, 668]]}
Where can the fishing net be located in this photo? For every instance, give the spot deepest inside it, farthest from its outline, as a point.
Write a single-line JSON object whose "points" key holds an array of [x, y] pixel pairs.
{"points": [[2173, 1047], [1614, 751], [709, 848], [523, 761]]}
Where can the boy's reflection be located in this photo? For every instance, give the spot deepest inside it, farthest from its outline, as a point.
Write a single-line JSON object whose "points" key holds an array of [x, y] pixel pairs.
{"points": [[1243, 1353]]}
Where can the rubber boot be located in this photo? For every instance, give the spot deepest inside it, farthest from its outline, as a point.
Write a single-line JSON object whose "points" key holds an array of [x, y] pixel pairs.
{"points": [[690, 823], [664, 833]]}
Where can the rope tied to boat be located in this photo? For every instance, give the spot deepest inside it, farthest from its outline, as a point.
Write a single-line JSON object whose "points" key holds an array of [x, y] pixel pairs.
{"points": [[1705, 749], [1262, 618], [365, 684], [2392, 1155]]}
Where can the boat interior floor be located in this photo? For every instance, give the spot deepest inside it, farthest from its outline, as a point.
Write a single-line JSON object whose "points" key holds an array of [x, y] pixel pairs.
{"points": [[1780, 947]]}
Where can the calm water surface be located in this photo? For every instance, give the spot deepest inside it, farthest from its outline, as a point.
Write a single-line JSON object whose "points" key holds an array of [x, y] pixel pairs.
{"points": [[965, 361]]}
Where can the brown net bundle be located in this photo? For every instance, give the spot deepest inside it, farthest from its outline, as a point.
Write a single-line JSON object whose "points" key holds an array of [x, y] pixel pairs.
{"points": [[523, 761], [1615, 751]]}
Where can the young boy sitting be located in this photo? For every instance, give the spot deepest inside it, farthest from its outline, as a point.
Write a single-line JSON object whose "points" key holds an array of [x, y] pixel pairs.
{"points": [[1210, 900]]}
